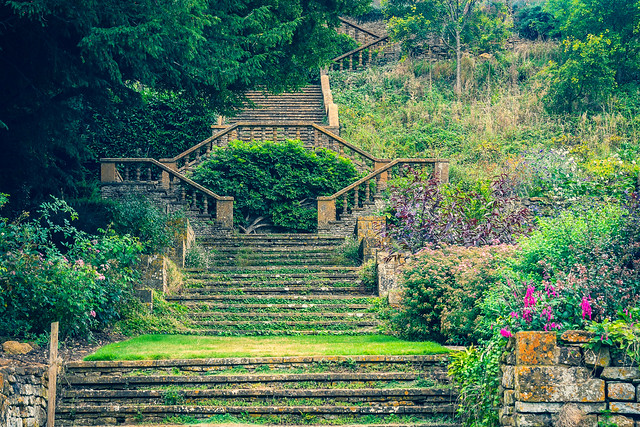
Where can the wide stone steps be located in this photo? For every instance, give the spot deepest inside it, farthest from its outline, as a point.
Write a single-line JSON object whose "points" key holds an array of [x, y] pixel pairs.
{"points": [[276, 299], [284, 308], [244, 290], [281, 315], [288, 390], [306, 105]]}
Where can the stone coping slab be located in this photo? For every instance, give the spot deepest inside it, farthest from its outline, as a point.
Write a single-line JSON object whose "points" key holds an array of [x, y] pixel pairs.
{"points": [[230, 361]]}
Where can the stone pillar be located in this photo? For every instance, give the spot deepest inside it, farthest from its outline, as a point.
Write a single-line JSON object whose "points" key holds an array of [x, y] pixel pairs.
{"points": [[166, 177], [108, 172], [389, 284], [224, 212], [326, 212], [442, 171], [369, 229]]}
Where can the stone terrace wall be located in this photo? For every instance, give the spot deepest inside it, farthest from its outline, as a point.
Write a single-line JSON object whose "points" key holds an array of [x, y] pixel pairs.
{"points": [[23, 396], [546, 381]]}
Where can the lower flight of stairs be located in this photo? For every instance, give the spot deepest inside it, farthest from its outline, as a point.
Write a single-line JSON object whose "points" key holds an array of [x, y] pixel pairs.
{"points": [[276, 390], [266, 285]]}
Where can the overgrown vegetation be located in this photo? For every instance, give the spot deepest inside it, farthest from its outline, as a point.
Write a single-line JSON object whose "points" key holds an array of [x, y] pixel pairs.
{"points": [[50, 271], [275, 183]]}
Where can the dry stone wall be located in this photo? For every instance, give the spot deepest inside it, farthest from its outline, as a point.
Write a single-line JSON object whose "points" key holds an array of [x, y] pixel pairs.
{"points": [[23, 396], [549, 381]]}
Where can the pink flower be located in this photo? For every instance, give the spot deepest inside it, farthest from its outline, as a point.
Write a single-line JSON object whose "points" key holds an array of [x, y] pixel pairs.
{"points": [[514, 315], [529, 298], [101, 276], [80, 263], [505, 333], [586, 308], [93, 313]]}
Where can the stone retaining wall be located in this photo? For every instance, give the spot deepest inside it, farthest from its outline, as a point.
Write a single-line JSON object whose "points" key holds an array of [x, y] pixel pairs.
{"points": [[549, 381], [23, 396]]}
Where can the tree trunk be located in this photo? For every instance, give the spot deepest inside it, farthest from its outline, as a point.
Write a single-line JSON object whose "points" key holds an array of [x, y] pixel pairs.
{"points": [[458, 88]]}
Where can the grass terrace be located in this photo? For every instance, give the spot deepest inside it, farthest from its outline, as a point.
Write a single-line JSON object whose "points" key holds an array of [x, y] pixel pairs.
{"points": [[153, 347]]}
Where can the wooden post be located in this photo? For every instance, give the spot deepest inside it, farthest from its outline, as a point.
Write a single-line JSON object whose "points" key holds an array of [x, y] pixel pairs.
{"points": [[53, 375]]}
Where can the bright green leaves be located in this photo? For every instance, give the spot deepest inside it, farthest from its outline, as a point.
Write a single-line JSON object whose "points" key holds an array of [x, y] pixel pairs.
{"points": [[276, 181]]}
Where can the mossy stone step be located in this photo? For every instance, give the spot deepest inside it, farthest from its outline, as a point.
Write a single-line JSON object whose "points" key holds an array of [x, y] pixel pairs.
{"points": [[281, 332], [231, 290], [277, 299], [281, 324], [272, 397], [272, 276], [271, 282], [280, 315], [242, 262], [282, 308], [279, 269]]}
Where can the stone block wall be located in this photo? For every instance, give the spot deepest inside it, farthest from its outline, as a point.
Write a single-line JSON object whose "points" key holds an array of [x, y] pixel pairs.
{"points": [[23, 396], [549, 381]]}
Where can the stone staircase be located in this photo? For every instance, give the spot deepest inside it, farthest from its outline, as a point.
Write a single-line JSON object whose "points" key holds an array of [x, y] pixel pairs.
{"points": [[307, 105], [283, 284], [382, 390]]}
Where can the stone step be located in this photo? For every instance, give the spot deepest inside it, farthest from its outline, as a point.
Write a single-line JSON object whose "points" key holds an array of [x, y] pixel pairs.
{"points": [[273, 239], [118, 414], [284, 308], [272, 275], [275, 269], [271, 290], [273, 282], [288, 325], [242, 261], [281, 315], [274, 397], [278, 299], [226, 332]]}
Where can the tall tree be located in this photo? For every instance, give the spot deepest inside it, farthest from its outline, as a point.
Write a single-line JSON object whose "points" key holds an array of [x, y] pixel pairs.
{"points": [[448, 21], [63, 61]]}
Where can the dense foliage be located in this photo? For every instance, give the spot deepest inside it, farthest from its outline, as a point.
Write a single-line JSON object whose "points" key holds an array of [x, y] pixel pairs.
{"points": [[276, 182], [442, 290], [64, 64], [428, 212], [50, 271]]}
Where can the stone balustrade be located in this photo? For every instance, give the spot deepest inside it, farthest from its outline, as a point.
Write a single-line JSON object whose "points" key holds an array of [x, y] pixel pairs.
{"points": [[363, 191], [546, 380], [359, 34], [361, 56]]}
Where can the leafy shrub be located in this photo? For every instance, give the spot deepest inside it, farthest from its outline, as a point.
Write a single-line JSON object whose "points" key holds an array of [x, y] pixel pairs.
{"points": [[140, 218], [476, 372], [622, 333], [50, 271], [533, 22], [442, 288], [275, 181], [429, 212]]}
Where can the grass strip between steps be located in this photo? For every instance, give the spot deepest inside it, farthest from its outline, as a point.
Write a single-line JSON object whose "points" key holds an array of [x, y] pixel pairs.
{"points": [[152, 347]]}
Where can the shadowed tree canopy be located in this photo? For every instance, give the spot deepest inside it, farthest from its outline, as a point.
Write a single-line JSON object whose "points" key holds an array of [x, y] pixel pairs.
{"points": [[63, 62]]}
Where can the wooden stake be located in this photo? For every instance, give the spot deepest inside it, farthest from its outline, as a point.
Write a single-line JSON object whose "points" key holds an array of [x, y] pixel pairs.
{"points": [[53, 375]]}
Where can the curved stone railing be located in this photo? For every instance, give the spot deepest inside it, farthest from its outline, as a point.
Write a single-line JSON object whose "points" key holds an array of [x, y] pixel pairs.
{"points": [[360, 57], [150, 171], [330, 108], [358, 33], [361, 192], [311, 135]]}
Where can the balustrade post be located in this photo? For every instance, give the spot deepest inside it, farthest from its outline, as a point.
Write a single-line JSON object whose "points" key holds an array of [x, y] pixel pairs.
{"points": [[126, 172], [367, 191], [441, 171], [138, 172], [166, 176], [224, 212], [356, 197], [326, 212], [108, 172], [345, 203]]}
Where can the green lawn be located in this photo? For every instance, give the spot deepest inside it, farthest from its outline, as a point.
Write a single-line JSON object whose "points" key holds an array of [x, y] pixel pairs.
{"points": [[149, 347]]}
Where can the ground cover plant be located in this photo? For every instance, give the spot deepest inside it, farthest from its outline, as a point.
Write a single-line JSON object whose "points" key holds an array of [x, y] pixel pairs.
{"points": [[275, 183], [186, 347]]}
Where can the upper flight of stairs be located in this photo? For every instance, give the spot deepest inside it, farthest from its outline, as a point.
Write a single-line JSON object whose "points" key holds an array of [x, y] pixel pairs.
{"points": [[277, 285], [307, 105]]}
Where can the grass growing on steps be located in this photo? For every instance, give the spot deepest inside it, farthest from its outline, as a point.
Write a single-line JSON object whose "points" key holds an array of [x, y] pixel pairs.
{"points": [[147, 347]]}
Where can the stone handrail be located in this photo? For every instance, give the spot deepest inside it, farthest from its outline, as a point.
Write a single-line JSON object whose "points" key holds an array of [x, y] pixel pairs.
{"points": [[312, 136], [359, 57], [363, 191], [330, 108], [145, 170], [357, 32]]}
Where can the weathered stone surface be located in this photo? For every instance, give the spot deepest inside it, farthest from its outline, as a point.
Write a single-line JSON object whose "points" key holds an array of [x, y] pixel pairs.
{"points": [[631, 408], [576, 337], [621, 391], [598, 359], [554, 408], [569, 356], [507, 421], [620, 373], [557, 384], [532, 420], [509, 397], [508, 377], [14, 347], [535, 348], [618, 420]]}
